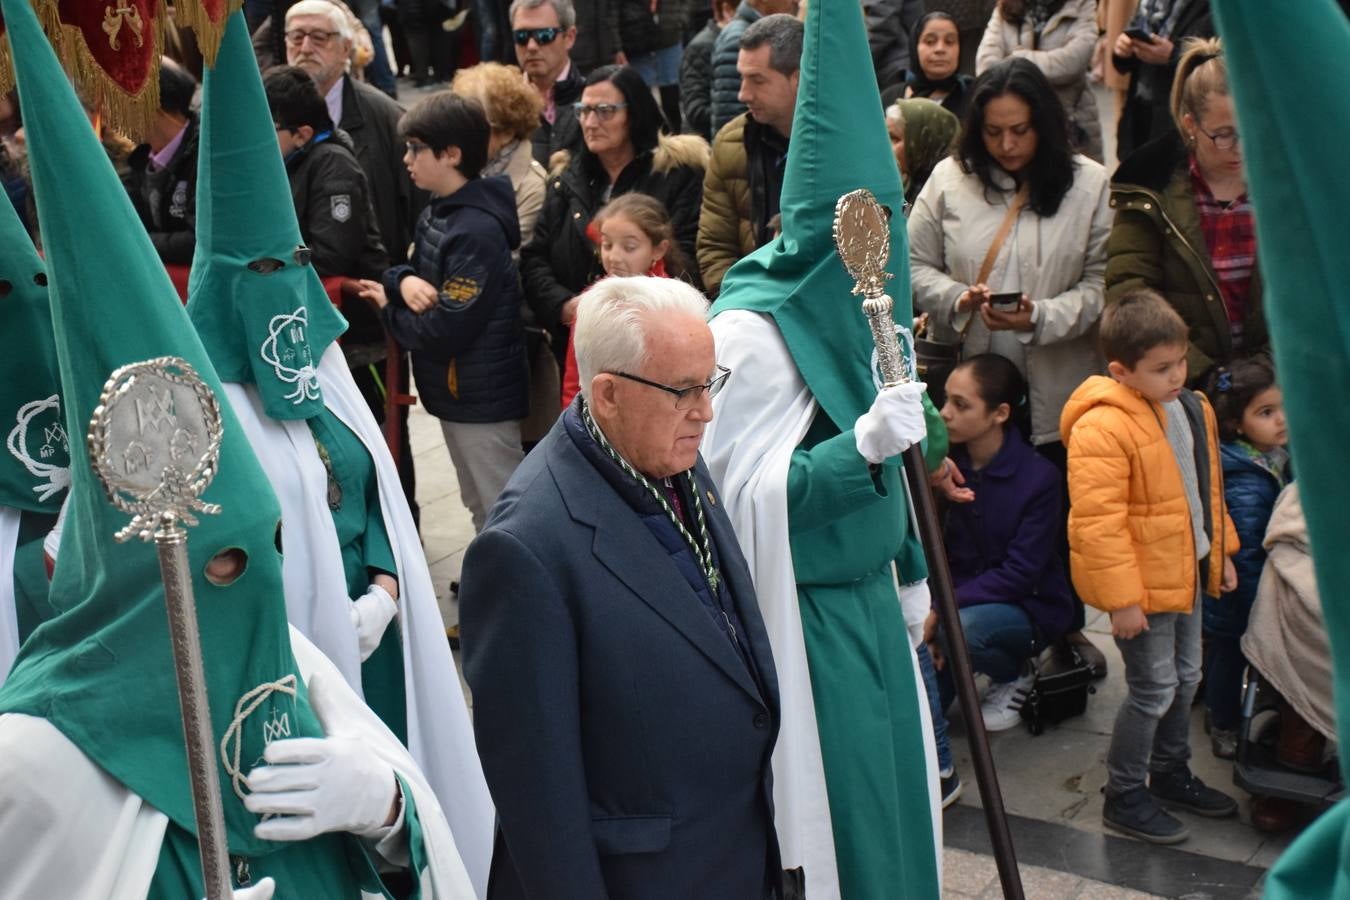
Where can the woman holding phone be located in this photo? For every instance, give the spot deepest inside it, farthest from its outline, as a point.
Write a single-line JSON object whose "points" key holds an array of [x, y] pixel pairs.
{"points": [[1007, 245]]}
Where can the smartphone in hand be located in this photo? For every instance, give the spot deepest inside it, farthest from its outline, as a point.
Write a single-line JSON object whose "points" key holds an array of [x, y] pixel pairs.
{"points": [[1139, 33], [1007, 301]]}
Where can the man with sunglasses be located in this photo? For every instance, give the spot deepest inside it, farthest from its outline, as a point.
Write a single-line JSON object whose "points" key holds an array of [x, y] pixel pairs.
{"points": [[544, 32], [625, 697]]}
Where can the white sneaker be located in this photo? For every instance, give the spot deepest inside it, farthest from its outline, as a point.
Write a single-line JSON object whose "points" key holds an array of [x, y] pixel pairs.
{"points": [[1002, 705]]}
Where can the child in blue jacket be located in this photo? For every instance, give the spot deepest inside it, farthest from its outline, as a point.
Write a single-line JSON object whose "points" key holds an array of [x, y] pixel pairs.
{"points": [[1250, 411]]}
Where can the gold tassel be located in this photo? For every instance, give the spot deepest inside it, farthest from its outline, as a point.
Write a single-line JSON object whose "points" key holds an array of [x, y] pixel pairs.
{"points": [[6, 66], [193, 14], [130, 114]]}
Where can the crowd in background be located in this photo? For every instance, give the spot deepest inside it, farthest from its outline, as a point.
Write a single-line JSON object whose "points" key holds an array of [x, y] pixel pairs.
{"points": [[579, 139]]}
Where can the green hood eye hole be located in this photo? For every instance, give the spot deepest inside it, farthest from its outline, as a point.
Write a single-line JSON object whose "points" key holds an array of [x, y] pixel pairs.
{"points": [[266, 266], [40, 279], [5, 287], [225, 567]]}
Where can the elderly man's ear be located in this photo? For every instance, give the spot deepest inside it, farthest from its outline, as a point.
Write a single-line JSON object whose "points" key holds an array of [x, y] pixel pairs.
{"points": [[603, 401]]}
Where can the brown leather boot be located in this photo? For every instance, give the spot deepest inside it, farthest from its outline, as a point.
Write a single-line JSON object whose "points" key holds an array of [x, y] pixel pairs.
{"points": [[1300, 746]]}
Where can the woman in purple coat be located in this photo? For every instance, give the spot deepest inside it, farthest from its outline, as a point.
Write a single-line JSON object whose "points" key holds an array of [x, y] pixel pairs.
{"points": [[1010, 583]]}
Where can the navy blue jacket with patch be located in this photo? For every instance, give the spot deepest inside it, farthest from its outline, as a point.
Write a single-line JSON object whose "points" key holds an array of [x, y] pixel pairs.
{"points": [[468, 351]]}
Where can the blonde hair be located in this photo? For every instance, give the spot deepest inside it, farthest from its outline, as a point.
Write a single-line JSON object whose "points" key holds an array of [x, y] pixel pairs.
{"points": [[511, 104], [1201, 73]]}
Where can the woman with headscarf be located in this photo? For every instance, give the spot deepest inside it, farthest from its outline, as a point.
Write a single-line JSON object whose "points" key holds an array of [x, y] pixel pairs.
{"points": [[922, 135], [936, 47]]}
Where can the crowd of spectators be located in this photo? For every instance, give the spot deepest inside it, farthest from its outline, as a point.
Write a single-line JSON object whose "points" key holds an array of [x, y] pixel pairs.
{"points": [[583, 138]]}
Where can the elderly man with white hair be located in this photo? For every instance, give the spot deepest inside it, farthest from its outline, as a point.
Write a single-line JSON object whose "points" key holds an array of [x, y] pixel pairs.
{"points": [[319, 40], [625, 700]]}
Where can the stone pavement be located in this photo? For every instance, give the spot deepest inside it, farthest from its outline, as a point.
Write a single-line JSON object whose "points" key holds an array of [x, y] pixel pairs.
{"points": [[1051, 783]]}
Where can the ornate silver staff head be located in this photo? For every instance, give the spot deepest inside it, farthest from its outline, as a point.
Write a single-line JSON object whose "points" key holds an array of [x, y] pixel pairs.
{"points": [[862, 237], [154, 441]]}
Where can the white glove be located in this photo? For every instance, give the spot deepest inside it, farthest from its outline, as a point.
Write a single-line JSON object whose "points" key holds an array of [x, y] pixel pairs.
{"points": [[893, 424], [915, 602], [317, 785], [371, 614], [261, 891]]}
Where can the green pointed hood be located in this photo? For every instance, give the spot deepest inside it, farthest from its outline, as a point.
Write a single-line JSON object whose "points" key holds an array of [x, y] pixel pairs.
{"points": [[838, 144], [261, 326], [101, 670], [1288, 71], [35, 462]]}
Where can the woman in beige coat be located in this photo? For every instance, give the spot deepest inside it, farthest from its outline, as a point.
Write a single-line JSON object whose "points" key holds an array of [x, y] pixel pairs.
{"points": [[1054, 253], [1059, 38]]}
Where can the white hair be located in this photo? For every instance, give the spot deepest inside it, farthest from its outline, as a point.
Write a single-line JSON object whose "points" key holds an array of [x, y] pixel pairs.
{"points": [[609, 333], [337, 17]]}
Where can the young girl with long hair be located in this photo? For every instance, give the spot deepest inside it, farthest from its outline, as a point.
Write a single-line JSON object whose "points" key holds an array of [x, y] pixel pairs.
{"points": [[635, 236]]}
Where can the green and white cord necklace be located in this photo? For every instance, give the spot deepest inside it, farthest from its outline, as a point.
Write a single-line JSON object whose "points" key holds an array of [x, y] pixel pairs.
{"points": [[702, 547]]}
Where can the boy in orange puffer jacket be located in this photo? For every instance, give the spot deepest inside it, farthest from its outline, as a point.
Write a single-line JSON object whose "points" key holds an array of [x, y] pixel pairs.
{"points": [[1147, 520]]}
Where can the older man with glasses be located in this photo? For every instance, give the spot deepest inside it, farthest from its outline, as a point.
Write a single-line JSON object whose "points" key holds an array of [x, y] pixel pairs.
{"points": [[625, 698], [319, 40]]}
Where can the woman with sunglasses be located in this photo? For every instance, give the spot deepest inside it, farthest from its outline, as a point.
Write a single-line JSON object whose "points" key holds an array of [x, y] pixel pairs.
{"points": [[1184, 225], [624, 152]]}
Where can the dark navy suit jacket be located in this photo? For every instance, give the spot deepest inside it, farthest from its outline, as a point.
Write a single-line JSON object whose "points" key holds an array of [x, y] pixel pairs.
{"points": [[625, 741]]}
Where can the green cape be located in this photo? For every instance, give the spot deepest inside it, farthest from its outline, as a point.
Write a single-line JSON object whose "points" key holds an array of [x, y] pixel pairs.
{"points": [[101, 671], [35, 464], [268, 325], [839, 144], [1289, 70]]}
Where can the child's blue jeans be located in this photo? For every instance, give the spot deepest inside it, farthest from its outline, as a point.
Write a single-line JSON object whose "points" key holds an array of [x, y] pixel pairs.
{"points": [[1162, 671]]}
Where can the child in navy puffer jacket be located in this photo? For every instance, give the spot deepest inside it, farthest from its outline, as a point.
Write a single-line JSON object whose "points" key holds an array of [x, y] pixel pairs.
{"points": [[1250, 410]]}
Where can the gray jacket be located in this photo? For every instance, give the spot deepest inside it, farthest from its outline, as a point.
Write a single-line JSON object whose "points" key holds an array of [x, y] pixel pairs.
{"points": [[1063, 54]]}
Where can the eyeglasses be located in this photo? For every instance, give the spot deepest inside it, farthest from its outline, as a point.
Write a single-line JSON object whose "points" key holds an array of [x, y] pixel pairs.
{"points": [[685, 398], [1223, 140], [415, 147], [296, 36], [602, 111], [542, 36]]}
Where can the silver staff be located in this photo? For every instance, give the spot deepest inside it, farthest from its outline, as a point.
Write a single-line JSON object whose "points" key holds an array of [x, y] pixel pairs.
{"points": [[862, 237], [154, 442]]}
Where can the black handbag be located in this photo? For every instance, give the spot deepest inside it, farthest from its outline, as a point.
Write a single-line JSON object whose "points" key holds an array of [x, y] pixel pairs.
{"points": [[1063, 682]]}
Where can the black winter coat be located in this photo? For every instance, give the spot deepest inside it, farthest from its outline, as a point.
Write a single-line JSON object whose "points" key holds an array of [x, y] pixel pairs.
{"points": [[889, 23], [597, 38], [332, 202], [468, 351], [166, 200], [561, 260], [1146, 114], [642, 32], [370, 119], [696, 76], [565, 132]]}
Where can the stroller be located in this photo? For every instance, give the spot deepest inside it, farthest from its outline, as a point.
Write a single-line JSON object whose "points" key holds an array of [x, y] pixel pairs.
{"points": [[1257, 770]]}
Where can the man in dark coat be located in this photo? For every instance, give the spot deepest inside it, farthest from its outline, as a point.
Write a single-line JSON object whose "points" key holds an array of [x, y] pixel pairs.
{"points": [[162, 172], [549, 29], [889, 23], [318, 40], [625, 698]]}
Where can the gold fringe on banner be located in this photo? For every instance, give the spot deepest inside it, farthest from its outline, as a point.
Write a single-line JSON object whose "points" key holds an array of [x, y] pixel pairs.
{"points": [[6, 65], [209, 31], [128, 113]]}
